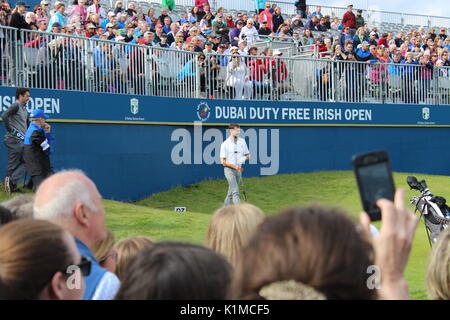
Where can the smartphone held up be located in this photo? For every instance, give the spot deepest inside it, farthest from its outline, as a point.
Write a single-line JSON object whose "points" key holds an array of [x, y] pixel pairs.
{"points": [[373, 174]]}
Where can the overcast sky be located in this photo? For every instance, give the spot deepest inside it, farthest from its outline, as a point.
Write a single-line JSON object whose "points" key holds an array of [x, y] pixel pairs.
{"points": [[432, 7]]}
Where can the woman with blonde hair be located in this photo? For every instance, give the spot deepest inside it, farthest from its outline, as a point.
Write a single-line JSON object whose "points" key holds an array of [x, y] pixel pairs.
{"points": [[231, 228], [438, 274], [105, 254], [127, 249]]}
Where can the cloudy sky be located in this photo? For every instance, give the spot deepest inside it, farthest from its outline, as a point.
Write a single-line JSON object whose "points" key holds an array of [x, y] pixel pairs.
{"points": [[432, 7]]}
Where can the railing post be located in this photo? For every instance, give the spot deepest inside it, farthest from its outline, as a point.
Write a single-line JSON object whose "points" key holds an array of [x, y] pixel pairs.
{"points": [[19, 59], [435, 84], [148, 75], [197, 78], [89, 66], [333, 81]]}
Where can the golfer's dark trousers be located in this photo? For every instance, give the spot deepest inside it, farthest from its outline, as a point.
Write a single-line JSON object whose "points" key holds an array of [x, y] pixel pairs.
{"points": [[16, 165], [37, 180]]}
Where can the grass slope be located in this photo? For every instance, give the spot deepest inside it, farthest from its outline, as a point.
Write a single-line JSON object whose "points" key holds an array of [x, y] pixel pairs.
{"points": [[274, 193]]}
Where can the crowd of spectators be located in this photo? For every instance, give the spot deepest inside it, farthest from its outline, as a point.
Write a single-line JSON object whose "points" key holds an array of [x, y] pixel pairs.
{"points": [[201, 33], [65, 251]]}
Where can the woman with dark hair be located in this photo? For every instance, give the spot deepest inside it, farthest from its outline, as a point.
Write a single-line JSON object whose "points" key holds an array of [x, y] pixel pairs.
{"points": [[39, 260], [176, 271]]}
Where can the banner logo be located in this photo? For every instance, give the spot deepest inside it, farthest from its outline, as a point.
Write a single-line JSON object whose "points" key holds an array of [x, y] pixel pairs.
{"points": [[203, 111], [426, 113], [134, 105]]}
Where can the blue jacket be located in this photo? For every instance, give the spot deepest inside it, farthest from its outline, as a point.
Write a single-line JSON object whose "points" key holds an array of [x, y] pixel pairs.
{"points": [[260, 4], [97, 272], [37, 147], [364, 56], [394, 69], [28, 136], [57, 17], [188, 70]]}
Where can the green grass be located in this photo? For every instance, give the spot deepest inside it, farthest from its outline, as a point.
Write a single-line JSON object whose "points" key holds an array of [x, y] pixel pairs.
{"points": [[274, 193], [154, 216]]}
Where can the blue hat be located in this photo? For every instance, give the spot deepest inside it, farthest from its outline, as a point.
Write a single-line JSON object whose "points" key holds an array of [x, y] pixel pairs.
{"points": [[38, 113]]}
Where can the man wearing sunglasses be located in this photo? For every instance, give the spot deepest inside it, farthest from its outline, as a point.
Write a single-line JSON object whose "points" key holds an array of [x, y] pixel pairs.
{"points": [[71, 200]]}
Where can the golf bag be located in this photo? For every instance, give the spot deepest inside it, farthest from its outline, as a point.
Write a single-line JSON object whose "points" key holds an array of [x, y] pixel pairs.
{"points": [[433, 209]]}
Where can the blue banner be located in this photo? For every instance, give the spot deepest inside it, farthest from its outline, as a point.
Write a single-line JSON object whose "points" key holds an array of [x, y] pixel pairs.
{"points": [[98, 107]]}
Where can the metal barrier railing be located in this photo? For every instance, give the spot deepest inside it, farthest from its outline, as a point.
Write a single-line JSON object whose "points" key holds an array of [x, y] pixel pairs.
{"points": [[65, 62]]}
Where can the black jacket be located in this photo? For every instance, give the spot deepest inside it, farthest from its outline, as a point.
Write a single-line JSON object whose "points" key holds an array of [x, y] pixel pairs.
{"points": [[37, 160], [18, 21]]}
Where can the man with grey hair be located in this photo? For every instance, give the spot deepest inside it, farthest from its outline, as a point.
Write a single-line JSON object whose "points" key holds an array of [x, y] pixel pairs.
{"points": [[174, 28], [71, 200]]}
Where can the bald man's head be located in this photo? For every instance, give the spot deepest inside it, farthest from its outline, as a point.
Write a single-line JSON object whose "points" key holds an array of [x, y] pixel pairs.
{"points": [[71, 199]]}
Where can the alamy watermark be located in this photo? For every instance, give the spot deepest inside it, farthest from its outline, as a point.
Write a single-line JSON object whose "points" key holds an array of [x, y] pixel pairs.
{"points": [[374, 280], [75, 279], [203, 147]]}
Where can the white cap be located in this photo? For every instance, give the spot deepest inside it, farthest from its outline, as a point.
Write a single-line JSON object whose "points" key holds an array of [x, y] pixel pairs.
{"points": [[234, 48], [109, 25], [44, 2], [118, 38], [111, 13], [277, 52]]}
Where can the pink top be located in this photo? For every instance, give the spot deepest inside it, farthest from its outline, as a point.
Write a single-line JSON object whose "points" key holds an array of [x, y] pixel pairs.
{"points": [[81, 11]]}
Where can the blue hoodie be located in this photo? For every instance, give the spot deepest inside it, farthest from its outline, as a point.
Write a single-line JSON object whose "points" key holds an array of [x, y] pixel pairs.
{"points": [[364, 56]]}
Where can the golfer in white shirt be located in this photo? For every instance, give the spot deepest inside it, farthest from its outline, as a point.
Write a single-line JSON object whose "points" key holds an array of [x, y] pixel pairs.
{"points": [[233, 153]]}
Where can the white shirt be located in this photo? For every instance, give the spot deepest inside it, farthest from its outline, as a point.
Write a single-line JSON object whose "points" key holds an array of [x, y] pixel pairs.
{"points": [[232, 151], [101, 11], [107, 288], [249, 34]]}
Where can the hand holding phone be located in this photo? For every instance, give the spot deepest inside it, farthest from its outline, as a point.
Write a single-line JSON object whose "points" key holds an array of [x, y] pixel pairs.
{"points": [[374, 177]]}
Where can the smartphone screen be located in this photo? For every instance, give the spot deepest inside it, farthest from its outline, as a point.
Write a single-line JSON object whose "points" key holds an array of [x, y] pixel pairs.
{"points": [[374, 176]]}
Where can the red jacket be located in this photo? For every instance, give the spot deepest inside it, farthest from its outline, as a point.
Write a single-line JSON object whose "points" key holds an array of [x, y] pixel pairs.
{"points": [[230, 23], [266, 16], [201, 3], [349, 20], [279, 69], [383, 42], [258, 69], [322, 48]]}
